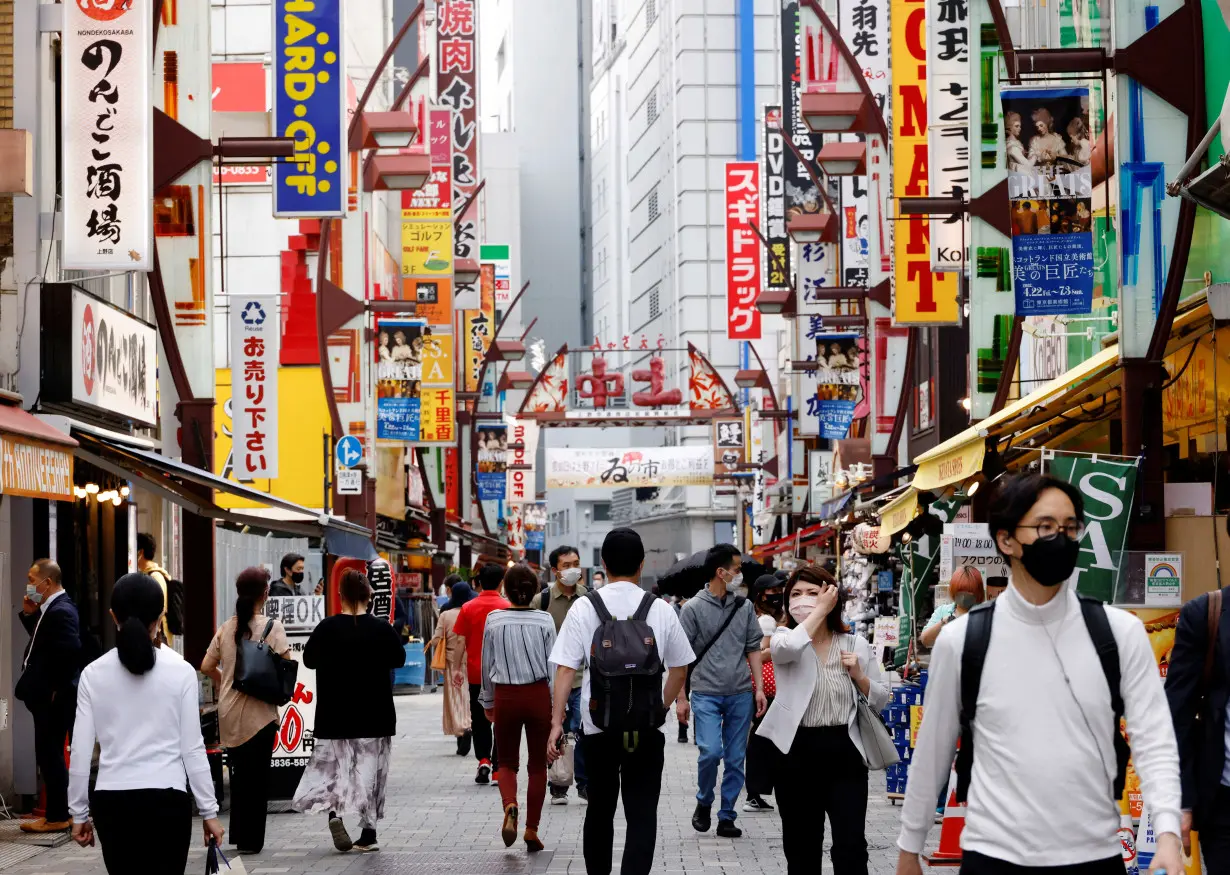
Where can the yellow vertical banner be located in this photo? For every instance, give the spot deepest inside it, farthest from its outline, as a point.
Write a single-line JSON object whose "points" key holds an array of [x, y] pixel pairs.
{"points": [[438, 360], [920, 296], [479, 328]]}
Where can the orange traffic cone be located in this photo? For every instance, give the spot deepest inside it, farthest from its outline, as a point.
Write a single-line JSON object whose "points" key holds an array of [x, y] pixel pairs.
{"points": [[949, 851]]}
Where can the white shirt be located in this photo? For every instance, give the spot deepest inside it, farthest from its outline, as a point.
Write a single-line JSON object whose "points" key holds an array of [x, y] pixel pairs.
{"points": [[148, 727], [1044, 761], [622, 598]]}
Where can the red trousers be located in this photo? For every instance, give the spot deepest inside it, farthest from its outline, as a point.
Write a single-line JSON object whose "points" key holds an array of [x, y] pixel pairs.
{"points": [[528, 706]]}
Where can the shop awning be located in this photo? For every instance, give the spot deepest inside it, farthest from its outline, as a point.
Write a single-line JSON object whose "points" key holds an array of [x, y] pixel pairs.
{"points": [[799, 539], [15, 421], [36, 459], [896, 515], [192, 489]]}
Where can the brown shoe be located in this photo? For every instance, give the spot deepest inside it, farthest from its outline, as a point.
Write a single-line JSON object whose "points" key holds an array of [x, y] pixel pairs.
{"points": [[32, 825], [43, 825], [533, 844], [509, 830]]}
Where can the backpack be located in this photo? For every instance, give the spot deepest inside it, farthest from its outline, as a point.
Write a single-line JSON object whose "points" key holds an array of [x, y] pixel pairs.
{"points": [[974, 657], [175, 600], [625, 671]]}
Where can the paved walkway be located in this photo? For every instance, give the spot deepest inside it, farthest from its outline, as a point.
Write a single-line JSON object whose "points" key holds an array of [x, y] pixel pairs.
{"points": [[439, 821]]}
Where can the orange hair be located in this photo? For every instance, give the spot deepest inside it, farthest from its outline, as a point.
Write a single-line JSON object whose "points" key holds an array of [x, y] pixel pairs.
{"points": [[967, 579]]}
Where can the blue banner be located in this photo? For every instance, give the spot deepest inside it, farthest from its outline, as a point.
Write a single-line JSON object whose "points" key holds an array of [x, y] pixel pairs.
{"points": [[492, 441], [397, 419], [1047, 149], [839, 367], [835, 418], [309, 107]]}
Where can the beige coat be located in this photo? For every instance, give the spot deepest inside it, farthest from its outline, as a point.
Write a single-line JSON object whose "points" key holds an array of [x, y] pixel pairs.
{"points": [[456, 698]]}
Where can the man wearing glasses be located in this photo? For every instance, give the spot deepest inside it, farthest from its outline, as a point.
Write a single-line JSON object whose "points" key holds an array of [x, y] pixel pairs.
{"points": [[1041, 759]]}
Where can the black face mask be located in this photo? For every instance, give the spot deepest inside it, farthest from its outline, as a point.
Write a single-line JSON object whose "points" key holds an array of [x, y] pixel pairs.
{"points": [[296, 576], [1051, 561], [774, 601]]}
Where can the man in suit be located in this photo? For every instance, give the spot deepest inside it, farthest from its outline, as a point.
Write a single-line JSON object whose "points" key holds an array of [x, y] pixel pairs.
{"points": [[48, 684], [1199, 714]]}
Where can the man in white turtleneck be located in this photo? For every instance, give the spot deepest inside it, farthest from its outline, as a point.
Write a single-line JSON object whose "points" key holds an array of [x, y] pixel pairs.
{"points": [[1044, 766]]}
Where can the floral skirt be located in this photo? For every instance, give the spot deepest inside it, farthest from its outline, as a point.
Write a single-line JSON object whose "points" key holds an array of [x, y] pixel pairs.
{"points": [[346, 775]]}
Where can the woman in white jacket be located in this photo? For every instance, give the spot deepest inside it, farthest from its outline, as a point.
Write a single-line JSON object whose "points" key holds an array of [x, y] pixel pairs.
{"points": [[821, 671]]}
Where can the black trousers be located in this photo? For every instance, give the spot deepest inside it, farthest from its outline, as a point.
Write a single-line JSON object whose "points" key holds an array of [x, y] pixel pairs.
{"points": [[611, 770], [761, 762], [973, 863], [146, 831], [249, 765], [806, 793], [1215, 835], [52, 725], [484, 737]]}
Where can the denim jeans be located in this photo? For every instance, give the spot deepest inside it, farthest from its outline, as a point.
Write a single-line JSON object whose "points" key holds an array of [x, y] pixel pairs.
{"points": [[722, 727], [574, 724]]}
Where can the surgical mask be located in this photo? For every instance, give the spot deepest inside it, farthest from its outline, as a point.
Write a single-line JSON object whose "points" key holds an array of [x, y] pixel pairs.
{"points": [[1051, 561], [33, 594], [296, 576], [736, 581], [802, 606], [571, 576]]}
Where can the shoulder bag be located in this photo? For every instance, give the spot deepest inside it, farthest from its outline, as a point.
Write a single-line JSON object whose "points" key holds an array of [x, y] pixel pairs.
{"points": [[263, 674], [879, 752]]}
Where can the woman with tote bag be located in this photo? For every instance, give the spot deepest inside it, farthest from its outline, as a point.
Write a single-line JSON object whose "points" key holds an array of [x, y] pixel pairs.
{"points": [[822, 672], [452, 647], [247, 725]]}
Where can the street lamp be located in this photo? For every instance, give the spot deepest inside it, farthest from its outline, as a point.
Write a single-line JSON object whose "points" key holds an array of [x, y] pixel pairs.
{"points": [[466, 271], [383, 130], [752, 379], [402, 172], [813, 227], [843, 158], [506, 350], [777, 301], [511, 379]]}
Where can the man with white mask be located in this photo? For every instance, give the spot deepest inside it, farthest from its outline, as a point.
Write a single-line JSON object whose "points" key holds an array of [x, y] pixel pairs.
{"points": [[558, 600], [725, 635]]}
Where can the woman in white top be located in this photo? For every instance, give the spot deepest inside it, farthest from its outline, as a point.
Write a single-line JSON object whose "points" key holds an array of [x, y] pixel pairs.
{"points": [[821, 670], [139, 701]]}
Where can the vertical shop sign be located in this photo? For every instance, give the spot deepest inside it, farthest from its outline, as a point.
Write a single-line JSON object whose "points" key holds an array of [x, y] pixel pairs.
{"points": [[742, 250], [1050, 189], [839, 385], [478, 327], [457, 88], [399, 378], [435, 199], [780, 251], [521, 483], [866, 24], [255, 332], [948, 102], [1108, 486], [309, 106], [534, 520], [492, 443], [729, 446], [920, 296], [107, 132], [501, 257], [296, 738]]}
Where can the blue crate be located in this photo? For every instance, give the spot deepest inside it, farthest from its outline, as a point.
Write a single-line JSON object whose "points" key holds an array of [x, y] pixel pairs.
{"points": [[901, 735], [923, 676], [907, 695]]}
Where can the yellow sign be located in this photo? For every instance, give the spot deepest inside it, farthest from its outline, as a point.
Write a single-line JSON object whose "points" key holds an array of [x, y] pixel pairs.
{"points": [[955, 465], [896, 515], [438, 360], [33, 469], [438, 417], [920, 296], [301, 448], [478, 327], [427, 248], [916, 716]]}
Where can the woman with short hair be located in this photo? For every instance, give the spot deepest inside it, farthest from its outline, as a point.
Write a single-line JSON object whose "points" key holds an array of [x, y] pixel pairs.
{"points": [[516, 695], [353, 654]]}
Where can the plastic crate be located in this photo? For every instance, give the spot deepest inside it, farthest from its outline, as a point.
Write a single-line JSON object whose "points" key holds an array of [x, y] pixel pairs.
{"points": [[907, 695]]}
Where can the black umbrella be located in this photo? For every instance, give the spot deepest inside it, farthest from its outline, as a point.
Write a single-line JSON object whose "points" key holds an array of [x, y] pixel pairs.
{"points": [[687, 576]]}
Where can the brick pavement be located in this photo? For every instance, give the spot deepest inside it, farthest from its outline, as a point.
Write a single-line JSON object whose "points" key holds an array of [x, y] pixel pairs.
{"points": [[438, 820]]}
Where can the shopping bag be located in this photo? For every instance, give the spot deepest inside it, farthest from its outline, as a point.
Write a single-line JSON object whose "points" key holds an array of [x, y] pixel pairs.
{"points": [[438, 657], [217, 863], [559, 774]]}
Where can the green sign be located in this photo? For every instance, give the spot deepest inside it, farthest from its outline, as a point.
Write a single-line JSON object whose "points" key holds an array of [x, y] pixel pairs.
{"points": [[1108, 487]]}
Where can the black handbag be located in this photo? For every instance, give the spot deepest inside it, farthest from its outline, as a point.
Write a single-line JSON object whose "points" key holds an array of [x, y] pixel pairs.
{"points": [[263, 674]]}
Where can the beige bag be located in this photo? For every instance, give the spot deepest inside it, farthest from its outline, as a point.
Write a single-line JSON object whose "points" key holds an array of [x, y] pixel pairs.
{"points": [[559, 774]]}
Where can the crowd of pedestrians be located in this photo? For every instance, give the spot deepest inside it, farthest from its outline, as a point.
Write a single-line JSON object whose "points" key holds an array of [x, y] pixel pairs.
{"points": [[1032, 684]]}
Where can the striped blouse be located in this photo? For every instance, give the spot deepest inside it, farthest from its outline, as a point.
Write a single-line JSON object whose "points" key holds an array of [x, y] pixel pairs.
{"points": [[832, 700], [516, 648]]}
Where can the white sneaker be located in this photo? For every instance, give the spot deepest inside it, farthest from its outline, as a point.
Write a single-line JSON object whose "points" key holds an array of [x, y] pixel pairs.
{"points": [[561, 799]]}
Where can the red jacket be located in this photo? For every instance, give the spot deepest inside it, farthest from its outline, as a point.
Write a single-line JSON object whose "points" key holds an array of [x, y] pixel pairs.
{"points": [[470, 625]]}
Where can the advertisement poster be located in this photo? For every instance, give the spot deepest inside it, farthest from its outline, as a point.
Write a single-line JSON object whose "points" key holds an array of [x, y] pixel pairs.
{"points": [[492, 443], [399, 378], [426, 248], [478, 329], [1163, 580], [501, 258], [534, 519], [1108, 486], [743, 253], [920, 296], [107, 134], [838, 383], [296, 738], [569, 468], [729, 446], [255, 329], [780, 250], [1050, 186], [970, 544], [309, 106]]}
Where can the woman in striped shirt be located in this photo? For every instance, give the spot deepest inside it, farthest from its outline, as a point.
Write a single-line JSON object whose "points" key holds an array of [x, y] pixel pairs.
{"points": [[517, 693]]}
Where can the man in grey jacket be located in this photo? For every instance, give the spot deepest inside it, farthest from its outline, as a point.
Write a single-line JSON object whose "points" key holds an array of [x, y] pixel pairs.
{"points": [[725, 693]]}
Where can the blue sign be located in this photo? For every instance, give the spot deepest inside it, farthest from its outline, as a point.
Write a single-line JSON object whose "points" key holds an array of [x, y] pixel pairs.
{"points": [[884, 581], [397, 419], [309, 93], [349, 451], [834, 417]]}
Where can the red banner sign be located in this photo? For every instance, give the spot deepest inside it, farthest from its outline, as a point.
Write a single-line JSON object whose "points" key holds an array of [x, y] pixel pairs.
{"points": [[743, 254]]}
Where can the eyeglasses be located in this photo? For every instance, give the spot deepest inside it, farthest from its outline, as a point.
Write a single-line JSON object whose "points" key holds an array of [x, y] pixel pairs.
{"points": [[1048, 529]]}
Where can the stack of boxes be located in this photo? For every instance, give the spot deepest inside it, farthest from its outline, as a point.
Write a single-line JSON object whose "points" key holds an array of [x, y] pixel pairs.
{"points": [[902, 717]]}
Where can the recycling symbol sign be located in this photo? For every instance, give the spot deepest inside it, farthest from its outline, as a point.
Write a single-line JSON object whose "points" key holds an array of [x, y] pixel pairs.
{"points": [[253, 313]]}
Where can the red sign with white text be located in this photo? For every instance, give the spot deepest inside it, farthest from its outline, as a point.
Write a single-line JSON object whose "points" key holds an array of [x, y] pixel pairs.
{"points": [[742, 250], [240, 88]]}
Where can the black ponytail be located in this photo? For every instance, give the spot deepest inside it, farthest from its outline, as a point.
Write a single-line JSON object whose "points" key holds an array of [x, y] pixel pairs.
{"points": [[137, 604], [250, 587]]}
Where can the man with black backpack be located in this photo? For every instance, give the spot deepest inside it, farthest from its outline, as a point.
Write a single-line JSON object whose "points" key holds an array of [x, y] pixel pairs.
{"points": [[172, 590], [725, 694], [1034, 685], [625, 640]]}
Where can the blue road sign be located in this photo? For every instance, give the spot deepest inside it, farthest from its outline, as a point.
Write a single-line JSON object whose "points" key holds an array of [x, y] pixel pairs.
{"points": [[349, 451]]}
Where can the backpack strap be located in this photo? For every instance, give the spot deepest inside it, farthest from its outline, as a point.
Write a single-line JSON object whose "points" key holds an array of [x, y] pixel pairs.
{"points": [[973, 660], [604, 616], [642, 611], [1214, 621], [1094, 614], [738, 606], [268, 629], [544, 599]]}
